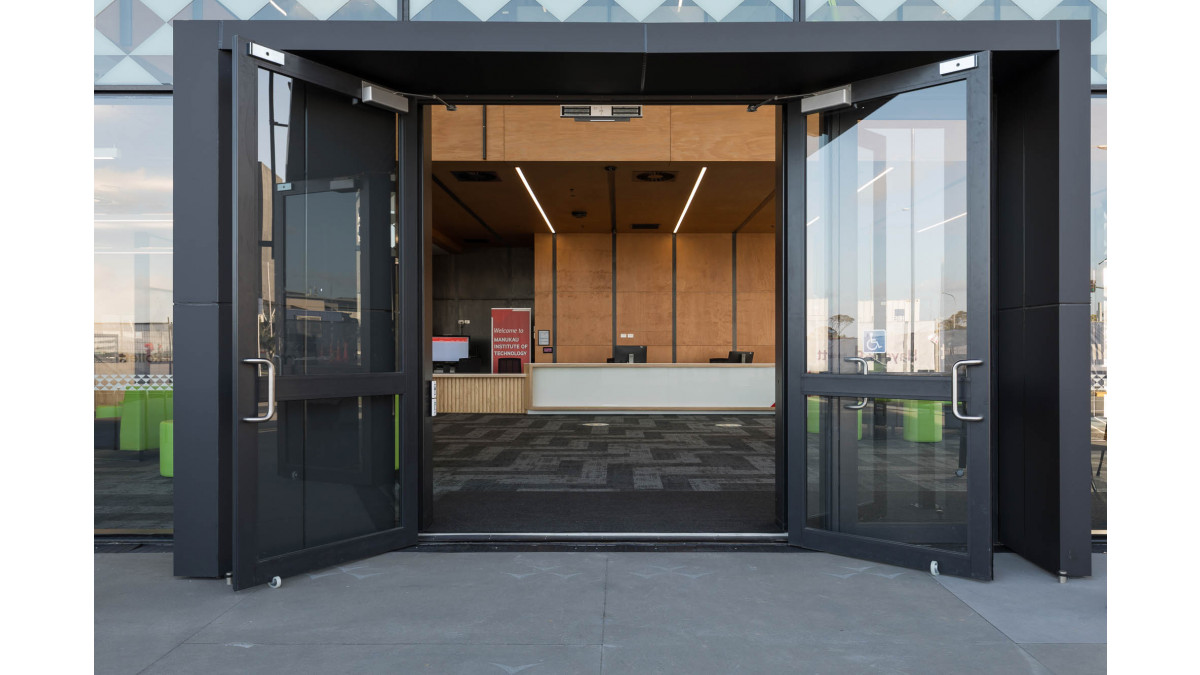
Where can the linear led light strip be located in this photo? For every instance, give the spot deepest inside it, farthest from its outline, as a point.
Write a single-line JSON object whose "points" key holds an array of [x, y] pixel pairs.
{"points": [[535, 200], [689, 201], [881, 175], [930, 227]]}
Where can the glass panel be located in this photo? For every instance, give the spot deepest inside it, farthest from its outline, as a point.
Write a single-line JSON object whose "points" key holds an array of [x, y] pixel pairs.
{"points": [[326, 301], [895, 470], [133, 361], [602, 11], [134, 41], [886, 227], [327, 472], [1095, 11], [1099, 312]]}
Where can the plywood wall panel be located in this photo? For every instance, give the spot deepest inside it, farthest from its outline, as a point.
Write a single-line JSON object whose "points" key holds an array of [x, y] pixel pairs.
{"points": [[585, 263], [700, 353], [756, 318], [584, 318], [704, 263], [458, 135], [644, 262], [756, 262], [584, 354], [704, 319], [536, 133], [543, 285], [711, 133]]}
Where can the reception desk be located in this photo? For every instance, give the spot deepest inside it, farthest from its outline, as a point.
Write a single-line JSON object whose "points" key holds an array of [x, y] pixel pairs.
{"points": [[649, 387], [480, 392]]}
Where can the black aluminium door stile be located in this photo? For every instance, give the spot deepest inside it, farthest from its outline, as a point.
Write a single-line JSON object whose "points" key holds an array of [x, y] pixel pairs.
{"points": [[327, 318], [890, 339]]}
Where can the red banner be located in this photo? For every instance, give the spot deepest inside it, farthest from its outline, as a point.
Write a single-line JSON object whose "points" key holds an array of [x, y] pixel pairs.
{"points": [[511, 339]]}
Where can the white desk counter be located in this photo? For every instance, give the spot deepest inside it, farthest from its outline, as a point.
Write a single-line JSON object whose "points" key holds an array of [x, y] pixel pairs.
{"points": [[650, 387]]}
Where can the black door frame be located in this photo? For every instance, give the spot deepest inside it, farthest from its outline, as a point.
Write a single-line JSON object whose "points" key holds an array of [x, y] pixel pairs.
{"points": [[977, 561], [1041, 70]]}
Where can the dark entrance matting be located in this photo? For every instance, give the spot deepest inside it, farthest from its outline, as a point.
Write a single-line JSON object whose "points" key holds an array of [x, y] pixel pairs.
{"points": [[604, 473], [604, 512]]}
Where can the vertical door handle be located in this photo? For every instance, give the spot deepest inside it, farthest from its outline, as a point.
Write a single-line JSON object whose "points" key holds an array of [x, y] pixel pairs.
{"points": [[954, 390], [862, 402], [270, 389]]}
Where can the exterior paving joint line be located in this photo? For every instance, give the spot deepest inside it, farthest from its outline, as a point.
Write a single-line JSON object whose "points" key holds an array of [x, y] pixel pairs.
{"points": [[194, 634]]}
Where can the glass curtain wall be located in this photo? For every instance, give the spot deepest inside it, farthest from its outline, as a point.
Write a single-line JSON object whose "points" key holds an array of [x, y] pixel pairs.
{"points": [[1099, 263], [134, 356]]}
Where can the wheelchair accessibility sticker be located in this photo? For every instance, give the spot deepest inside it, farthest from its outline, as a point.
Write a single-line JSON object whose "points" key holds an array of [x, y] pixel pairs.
{"points": [[874, 342]]}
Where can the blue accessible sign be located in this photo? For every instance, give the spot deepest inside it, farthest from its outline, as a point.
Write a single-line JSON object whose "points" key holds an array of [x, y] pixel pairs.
{"points": [[874, 342]]}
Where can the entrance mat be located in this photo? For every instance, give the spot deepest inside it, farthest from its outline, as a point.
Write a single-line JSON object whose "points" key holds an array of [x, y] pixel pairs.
{"points": [[578, 511]]}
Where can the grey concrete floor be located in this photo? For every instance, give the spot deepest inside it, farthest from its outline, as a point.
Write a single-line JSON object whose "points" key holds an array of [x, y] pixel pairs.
{"points": [[679, 612]]}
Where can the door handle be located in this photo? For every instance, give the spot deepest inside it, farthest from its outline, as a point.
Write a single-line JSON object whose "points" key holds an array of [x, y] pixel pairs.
{"points": [[954, 390], [270, 389], [862, 403]]}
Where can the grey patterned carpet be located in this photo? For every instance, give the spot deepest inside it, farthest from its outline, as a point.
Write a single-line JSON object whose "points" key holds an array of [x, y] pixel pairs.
{"points": [[130, 494], [604, 473]]}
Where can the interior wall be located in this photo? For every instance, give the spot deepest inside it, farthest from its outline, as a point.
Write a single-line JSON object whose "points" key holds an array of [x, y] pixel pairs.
{"points": [[536, 133], [676, 294], [644, 294], [469, 285]]}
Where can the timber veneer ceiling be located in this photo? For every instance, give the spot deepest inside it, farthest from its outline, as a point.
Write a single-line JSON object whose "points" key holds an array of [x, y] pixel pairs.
{"points": [[732, 195]]}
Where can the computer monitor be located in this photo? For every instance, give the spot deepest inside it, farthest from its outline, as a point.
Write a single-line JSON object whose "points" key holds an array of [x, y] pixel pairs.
{"points": [[629, 354], [450, 348], [741, 357]]}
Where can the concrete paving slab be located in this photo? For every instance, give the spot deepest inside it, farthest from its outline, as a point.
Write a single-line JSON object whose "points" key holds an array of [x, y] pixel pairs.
{"points": [[777, 600], [719, 656], [198, 659], [142, 611], [411, 597], [1029, 605], [1087, 659]]}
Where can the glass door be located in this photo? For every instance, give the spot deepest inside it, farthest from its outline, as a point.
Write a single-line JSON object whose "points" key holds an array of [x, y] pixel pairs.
{"points": [[327, 380], [894, 463]]}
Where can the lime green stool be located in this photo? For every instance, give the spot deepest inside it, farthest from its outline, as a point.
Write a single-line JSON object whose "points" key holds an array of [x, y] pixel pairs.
{"points": [[166, 448], [923, 421], [156, 412], [814, 417], [169, 404], [107, 411], [133, 421]]}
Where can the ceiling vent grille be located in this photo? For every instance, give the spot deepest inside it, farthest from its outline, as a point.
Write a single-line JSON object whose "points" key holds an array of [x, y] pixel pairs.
{"points": [[644, 226], [654, 177], [601, 113], [476, 176]]}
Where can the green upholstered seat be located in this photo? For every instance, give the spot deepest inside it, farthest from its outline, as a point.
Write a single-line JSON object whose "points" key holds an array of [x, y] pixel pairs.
{"points": [[166, 449], [133, 421], [108, 411], [156, 412], [814, 417], [923, 421]]}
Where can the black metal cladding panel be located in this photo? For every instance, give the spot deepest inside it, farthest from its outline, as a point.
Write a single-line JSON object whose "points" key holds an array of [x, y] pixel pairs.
{"points": [[571, 60]]}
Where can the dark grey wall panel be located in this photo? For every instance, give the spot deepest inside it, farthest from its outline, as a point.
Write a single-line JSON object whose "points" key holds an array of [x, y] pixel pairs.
{"points": [[202, 293], [201, 116], [468, 285], [1010, 425], [203, 534], [1074, 439], [1074, 180]]}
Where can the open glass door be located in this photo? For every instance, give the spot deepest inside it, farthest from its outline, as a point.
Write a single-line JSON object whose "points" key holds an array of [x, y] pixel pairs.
{"points": [[327, 364], [894, 464]]}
